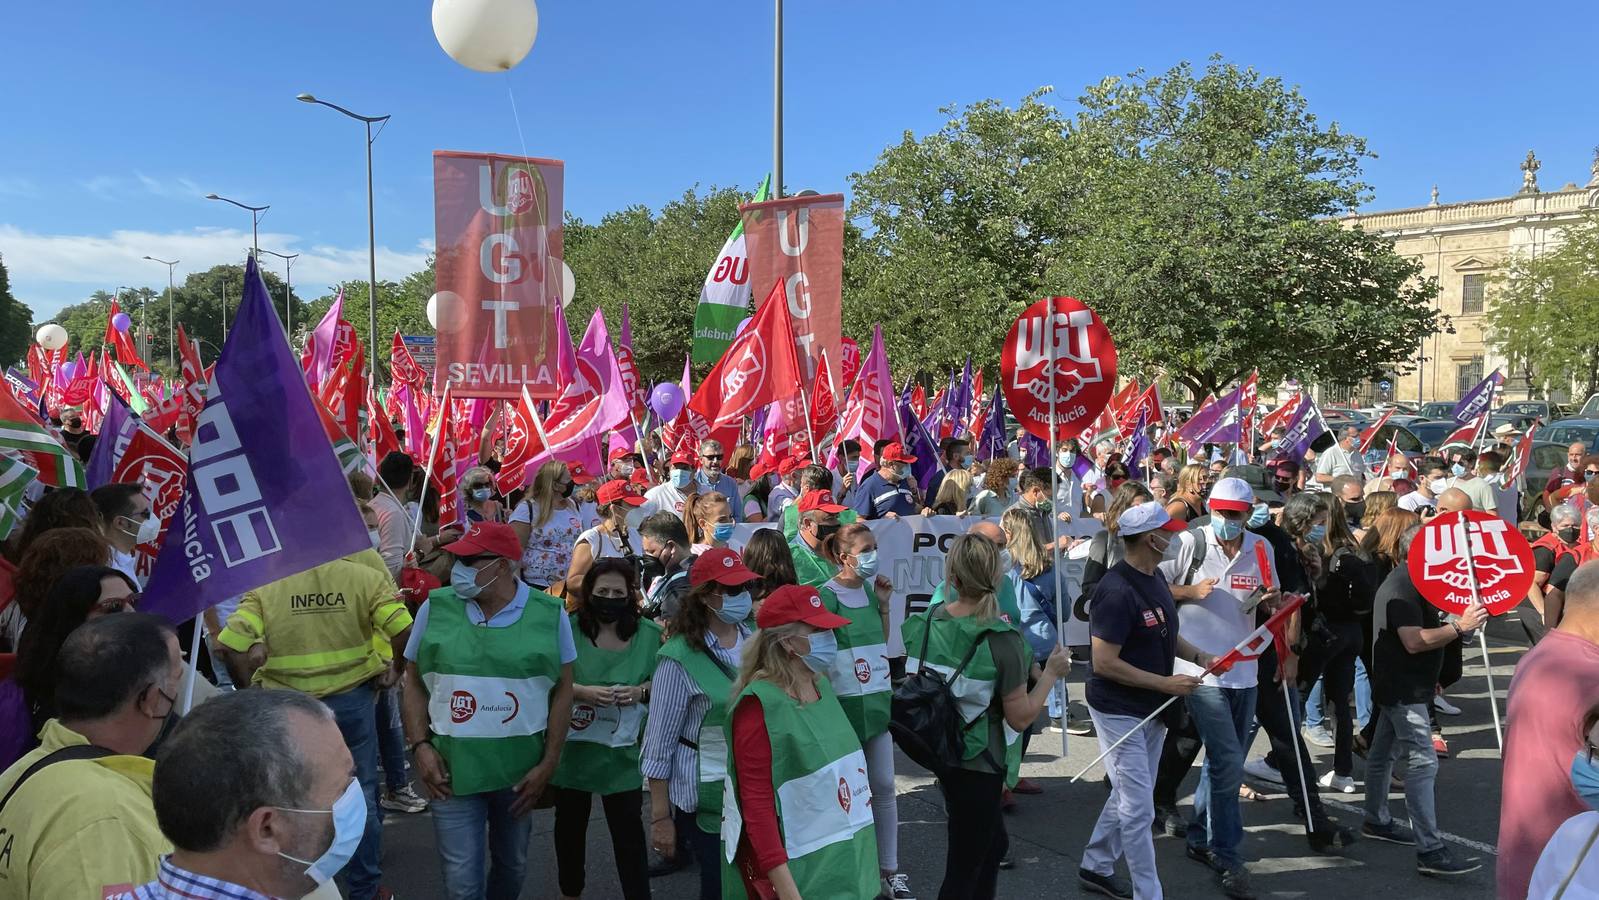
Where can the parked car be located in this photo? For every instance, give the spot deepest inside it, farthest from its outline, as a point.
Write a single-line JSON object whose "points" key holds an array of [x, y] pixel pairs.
{"points": [[1547, 456], [1527, 410], [1590, 410], [1405, 419], [1403, 440], [1565, 431], [1432, 432], [1437, 409]]}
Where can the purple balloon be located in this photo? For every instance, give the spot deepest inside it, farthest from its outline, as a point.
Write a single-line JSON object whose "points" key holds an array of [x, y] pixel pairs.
{"points": [[121, 321], [666, 400], [69, 369], [743, 325]]}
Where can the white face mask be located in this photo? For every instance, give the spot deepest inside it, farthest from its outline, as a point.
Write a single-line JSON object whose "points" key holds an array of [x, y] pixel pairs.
{"points": [[1438, 486], [149, 529], [376, 537]]}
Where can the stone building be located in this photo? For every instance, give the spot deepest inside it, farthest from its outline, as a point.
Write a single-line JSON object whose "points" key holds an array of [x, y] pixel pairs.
{"points": [[1461, 245]]}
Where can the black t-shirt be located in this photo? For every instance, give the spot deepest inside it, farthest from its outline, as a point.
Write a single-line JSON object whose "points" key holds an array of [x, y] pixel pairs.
{"points": [[1137, 612], [1561, 573], [1543, 559], [1398, 676]]}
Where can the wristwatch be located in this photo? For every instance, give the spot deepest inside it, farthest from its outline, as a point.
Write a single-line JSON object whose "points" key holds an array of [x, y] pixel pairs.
{"points": [[411, 747]]}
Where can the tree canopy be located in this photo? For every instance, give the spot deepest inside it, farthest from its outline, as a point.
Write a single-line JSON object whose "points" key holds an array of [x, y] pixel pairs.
{"points": [[16, 330], [1544, 317]]}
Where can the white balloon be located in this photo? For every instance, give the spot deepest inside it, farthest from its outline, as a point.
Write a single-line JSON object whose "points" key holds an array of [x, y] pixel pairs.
{"points": [[486, 35], [445, 312], [568, 284], [51, 336]]}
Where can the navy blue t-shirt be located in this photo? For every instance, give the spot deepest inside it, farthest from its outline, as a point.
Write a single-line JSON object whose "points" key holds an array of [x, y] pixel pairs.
{"points": [[1137, 612], [877, 497]]}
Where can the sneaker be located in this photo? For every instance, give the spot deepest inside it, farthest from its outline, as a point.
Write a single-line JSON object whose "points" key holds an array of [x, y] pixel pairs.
{"points": [[1026, 786], [405, 800], [1170, 822], [1318, 735], [1330, 836], [1235, 883], [1442, 862], [1081, 726], [1343, 784], [1393, 833], [1440, 746], [1442, 704], [1006, 862], [1203, 855], [898, 887], [1260, 770], [660, 865], [1111, 885]]}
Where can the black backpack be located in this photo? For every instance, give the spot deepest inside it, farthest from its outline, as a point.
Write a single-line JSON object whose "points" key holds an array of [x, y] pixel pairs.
{"points": [[925, 717]]}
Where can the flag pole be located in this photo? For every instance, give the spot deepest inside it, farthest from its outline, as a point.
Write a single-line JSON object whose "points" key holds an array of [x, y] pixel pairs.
{"points": [[805, 402], [1123, 739], [1299, 759], [193, 671], [1054, 539], [1482, 634], [427, 474]]}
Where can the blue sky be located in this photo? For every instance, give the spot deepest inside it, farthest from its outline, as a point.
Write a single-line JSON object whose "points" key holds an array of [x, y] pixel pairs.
{"points": [[121, 116]]}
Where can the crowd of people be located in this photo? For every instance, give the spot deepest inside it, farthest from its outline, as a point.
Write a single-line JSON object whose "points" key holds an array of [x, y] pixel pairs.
{"points": [[729, 700]]}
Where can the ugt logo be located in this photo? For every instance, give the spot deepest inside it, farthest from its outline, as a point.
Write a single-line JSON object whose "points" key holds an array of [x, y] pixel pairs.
{"points": [[1446, 555], [843, 795], [1065, 369], [863, 670], [462, 706], [742, 379], [582, 717]]}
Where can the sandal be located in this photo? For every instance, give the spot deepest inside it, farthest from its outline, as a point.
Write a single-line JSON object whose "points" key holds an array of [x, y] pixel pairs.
{"points": [[1245, 792]]}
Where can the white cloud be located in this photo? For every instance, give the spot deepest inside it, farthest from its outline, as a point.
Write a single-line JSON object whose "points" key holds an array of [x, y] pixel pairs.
{"points": [[17, 186], [49, 271]]}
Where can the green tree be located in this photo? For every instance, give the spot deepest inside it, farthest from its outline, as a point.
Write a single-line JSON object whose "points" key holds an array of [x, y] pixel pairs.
{"points": [[1197, 215], [16, 323], [1544, 317], [401, 307]]}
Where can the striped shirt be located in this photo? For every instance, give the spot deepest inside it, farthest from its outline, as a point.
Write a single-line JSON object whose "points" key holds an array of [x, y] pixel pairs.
{"points": [[677, 708], [173, 883]]}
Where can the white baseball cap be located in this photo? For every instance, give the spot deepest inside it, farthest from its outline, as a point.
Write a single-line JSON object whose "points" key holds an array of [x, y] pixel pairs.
{"points": [[1146, 517], [1232, 495]]}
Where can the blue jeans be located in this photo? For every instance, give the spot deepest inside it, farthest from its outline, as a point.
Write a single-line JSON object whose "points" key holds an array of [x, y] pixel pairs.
{"points": [[1313, 702], [391, 739], [1405, 732], [353, 711], [1222, 717], [462, 826]]}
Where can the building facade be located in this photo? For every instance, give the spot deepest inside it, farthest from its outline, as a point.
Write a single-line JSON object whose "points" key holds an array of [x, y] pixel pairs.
{"points": [[1462, 245]]}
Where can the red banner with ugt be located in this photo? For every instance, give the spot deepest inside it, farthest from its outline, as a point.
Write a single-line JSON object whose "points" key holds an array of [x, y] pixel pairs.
{"points": [[497, 224], [1058, 368], [800, 242]]}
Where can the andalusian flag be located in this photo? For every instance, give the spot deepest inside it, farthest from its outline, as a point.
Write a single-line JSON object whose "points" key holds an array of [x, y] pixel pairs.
{"points": [[20, 431], [725, 298], [15, 476]]}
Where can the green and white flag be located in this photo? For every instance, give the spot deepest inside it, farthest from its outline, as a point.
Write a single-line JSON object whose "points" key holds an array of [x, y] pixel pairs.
{"points": [[725, 298], [15, 476]]}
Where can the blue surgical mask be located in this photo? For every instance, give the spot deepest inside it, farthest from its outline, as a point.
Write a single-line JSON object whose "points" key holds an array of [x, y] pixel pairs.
{"points": [[1226, 529], [1585, 779], [682, 478], [824, 646], [735, 608], [723, 531], [1067, 459], [349, 824], [1260, 515], [1458, 468], [1316, 534], [463, 579], [866, 564], [967, 461], [482, 494]]}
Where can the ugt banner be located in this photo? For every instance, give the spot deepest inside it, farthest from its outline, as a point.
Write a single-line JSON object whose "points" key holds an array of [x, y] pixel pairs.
{"points": [[800, 241], [497, 224], [1058, 367]]}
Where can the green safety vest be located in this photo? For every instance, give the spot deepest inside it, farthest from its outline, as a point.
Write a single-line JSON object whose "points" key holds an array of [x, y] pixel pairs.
{"points": [[809, 567], [489, 689], [974, 689], [1010, 612], [602, 744], [860, 675], [710, 676], [824, 799]]}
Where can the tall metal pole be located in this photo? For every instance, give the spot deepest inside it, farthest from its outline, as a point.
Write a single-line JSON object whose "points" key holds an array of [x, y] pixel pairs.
{"points": [[777, 103], [172, 361], [372, 269], [224, 313]]}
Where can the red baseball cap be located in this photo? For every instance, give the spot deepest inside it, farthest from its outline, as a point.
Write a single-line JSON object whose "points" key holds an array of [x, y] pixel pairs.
{"points": [[487, 539], [820, 499], [616, 490], [622, 453], [796, 603], [640, 476], [895, 452], [722, 566], [792, 464], [579, 474], [685, 458]]}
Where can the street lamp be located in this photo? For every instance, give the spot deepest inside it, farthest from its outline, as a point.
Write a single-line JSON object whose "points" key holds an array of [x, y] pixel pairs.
{"points": [[255, 217], [171, 339], [371, 233], [288, 292]]}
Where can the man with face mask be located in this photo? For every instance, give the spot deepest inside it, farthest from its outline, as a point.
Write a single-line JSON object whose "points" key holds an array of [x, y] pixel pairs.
{"points": [[129, 522], [812, 478], [76, 819], [313, 632], [1340, 459], [1463, 472], [889, 492], [818, 522], [277, 815], [622, 463], [1555, 683], [670, 495], [712, 477], [1562, 542], [787, 490], [665, 540], [953, 453], [488, 702], [72, 429]]}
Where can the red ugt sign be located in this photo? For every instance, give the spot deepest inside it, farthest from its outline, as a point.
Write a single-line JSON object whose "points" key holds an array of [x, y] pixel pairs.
{"points": [[1457, 548]]}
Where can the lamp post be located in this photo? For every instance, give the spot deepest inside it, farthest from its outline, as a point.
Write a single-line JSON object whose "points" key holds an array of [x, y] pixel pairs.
{"points": [[288, 291], [171, 335], [777, 102], [255, 218], [371, 233]]}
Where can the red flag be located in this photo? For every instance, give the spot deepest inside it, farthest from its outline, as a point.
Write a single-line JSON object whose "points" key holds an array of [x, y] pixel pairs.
{"points": [[1367, 436], [127, 354], [150, 461], [521, 444], [380, 434], [194, 386], [919, 401], [1465, 434], [632, 378], [849, 352], [1275, 632], [758, 368], [38, 364], [824, 408], [1521, 458], [1281, 415], [334, 394], [1120, 400], [441, 464], [1146, 403], [403, 367]]}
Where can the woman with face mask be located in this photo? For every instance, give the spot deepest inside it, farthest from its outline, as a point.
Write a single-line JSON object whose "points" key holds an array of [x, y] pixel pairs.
{"points": [[999, 487], [789, 732], [860, 593], [685, 747], [709, 520], [1569, 864], [616, 651], [548, 524], [477, 486], [612, 537], [1563, 540]]}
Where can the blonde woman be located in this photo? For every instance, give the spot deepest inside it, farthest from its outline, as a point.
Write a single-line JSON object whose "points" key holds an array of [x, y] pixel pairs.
{"points": [[548, 524], [477, 486], [787, 733], [1188, 503], [954, 494], [1032, 571], [994, 703], [709, 520]]}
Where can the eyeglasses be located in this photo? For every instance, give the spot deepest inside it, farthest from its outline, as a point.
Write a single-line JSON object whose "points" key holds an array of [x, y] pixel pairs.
{"points": [[711, 457]]}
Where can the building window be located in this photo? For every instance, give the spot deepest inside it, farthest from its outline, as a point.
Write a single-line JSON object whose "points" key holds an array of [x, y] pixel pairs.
{"points": [[1471, 287], [1469, 374]]}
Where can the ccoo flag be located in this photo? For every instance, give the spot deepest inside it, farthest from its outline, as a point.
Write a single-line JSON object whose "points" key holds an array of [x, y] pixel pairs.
{"points": [[264, 497], [725, 297]]}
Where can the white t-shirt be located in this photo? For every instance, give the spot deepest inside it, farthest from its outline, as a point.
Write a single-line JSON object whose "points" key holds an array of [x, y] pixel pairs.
{"points": [[852, 597], [602, 545], [1415, 502], [1217, 623], [1335, 461], [663, 498], [127, 564], [1560, 854], [548, 553], [1483, 498]]}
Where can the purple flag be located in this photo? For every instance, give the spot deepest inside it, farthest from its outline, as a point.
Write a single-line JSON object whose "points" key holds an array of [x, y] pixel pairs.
{"points": [[1476, 401], [1138, 448], [24, 386], [1216, 423], [1034, 450], [1303, 429], [265, 497], [991, 443], [920, 445], [958, 406], [115, 433]]}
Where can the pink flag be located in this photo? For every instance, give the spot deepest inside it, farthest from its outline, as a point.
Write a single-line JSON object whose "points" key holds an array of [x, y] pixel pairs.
{"points": [[632, 378], [592, 401], [870, 415]]}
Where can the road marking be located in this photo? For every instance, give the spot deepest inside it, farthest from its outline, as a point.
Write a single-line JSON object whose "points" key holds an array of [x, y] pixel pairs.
{"points": [[1478, 846]]}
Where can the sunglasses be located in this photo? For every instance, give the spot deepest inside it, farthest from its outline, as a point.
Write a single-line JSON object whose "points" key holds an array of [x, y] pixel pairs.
{"points": [[710, 456]]}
